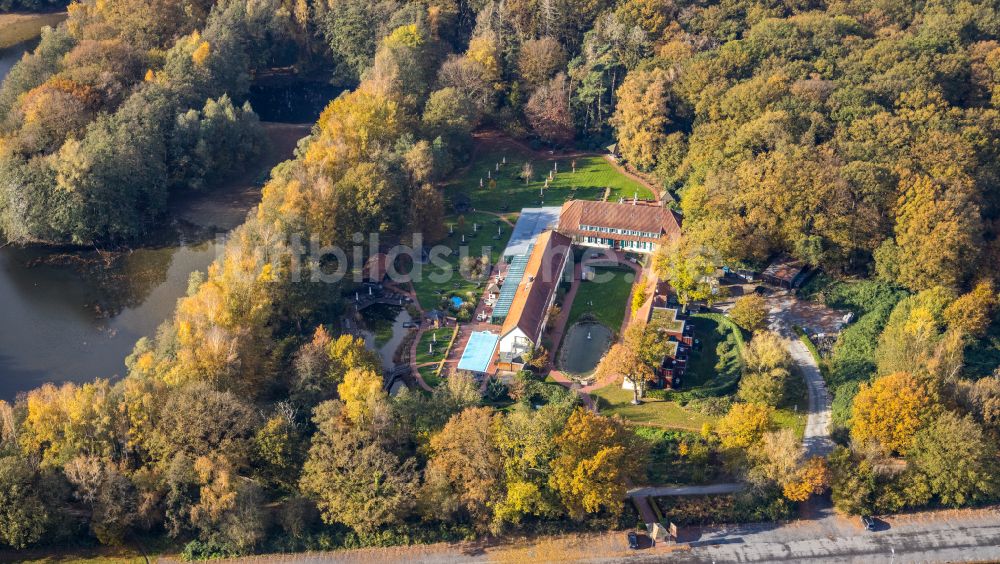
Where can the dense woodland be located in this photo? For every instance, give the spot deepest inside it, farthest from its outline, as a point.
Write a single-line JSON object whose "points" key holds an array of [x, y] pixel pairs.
{"points": [[31, 5], [857, 135]]}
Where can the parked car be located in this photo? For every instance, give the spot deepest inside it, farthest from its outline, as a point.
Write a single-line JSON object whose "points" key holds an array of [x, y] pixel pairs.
{"points": [[869, 522], [409, 325], [633, 540]]}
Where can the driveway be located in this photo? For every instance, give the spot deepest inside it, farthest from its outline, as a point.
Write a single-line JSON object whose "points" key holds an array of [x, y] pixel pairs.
{"points": [[814, 317], [786, 312]]}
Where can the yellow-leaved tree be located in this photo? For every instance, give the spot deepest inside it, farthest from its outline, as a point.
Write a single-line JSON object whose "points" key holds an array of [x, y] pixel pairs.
{"points": [[642, 116], [596, 456], [362, 394], [971, 313], [744, 425], [889, 412]]}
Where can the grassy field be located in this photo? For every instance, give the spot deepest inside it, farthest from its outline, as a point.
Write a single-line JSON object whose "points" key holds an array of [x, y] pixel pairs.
{"points": [[704, 364], [592, 178], [609, 298], [791, 413], [438, 281], [443, 335], [17, 28], [612, 400], [429, 376]]}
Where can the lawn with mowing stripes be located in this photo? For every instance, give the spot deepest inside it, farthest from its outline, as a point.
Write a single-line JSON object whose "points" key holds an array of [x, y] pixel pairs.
{"points": [[593, 177]]}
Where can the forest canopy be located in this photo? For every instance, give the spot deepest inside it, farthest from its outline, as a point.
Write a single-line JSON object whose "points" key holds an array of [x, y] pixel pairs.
{"points": [[857, 136]]}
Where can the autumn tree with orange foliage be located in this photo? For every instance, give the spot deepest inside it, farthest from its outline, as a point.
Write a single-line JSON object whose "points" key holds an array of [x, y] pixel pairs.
{"points": [[812, 479], [625, 362], [597, 455], [890, 411]]}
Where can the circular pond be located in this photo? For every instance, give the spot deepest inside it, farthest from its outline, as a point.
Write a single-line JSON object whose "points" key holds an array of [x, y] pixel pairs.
{"points": [[583, 347]]}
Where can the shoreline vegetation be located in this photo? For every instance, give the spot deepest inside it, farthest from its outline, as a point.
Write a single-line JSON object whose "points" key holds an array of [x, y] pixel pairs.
{"points": [[20, 27]]}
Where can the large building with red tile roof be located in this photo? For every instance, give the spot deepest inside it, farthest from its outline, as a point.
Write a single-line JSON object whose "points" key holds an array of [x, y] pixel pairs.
{"points": [[522, 328], [630, 226]]}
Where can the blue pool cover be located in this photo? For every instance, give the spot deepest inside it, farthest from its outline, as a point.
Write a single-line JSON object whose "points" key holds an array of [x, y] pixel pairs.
{"points": [[479, 352], [456, 301]]}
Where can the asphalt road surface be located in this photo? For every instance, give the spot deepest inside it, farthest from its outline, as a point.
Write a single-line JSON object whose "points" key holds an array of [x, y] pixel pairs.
{"points": [[960, 536], [946, 536]]}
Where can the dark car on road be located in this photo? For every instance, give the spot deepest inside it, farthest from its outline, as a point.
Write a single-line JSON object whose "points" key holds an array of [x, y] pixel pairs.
{"points": [[869, 522], [633, 540]]}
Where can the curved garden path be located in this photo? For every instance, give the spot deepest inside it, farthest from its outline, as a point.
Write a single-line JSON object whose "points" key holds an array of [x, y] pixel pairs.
{"points": [[408, 290]]}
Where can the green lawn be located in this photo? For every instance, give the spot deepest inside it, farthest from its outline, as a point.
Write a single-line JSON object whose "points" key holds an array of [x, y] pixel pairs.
{"points": [[612, 399], [592, 177], [703, 365], [436, 282], [791, 413], [609, 299], [443, 335], [429, 376]]}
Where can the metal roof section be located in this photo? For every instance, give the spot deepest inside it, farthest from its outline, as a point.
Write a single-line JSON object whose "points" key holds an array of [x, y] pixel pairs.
{"points": [[509, 289], [530, 224]]}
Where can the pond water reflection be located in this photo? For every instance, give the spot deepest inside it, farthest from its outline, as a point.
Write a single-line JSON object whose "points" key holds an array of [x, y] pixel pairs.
{"points": [[583, 346]]}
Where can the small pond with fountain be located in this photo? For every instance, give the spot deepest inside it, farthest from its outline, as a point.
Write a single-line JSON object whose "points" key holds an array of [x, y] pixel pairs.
{"points": [[583, 346]]}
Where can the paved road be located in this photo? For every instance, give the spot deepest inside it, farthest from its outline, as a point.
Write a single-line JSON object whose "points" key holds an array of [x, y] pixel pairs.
{"points": [[816, 439], [949, 536], [967, 536]]}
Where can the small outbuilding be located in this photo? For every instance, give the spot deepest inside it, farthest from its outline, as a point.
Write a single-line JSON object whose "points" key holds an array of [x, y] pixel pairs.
{"points": [[785, 272]]}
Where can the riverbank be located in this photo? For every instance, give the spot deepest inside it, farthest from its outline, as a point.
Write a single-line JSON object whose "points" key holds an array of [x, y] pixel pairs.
{"points": [[95, 303], [225, 206], [18, 28]]}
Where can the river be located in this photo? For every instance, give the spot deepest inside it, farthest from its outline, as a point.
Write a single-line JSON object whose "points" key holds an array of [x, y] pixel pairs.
{"points": [[75, 315]]}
